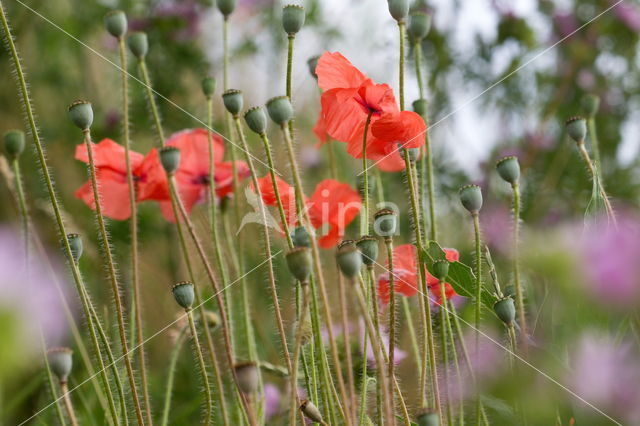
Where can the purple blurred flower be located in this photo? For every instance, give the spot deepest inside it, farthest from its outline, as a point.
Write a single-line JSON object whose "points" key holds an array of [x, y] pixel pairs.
{"points": [[272, 400], [496, 224], [398, 354], [565, 23], [629, 14], [187, 11]]}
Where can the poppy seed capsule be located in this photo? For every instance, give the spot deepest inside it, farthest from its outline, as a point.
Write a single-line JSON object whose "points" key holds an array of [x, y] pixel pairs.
{"points": [[226, 7], [81, 114], [247, 376], [577, 128], [256, 119], [76, 246], [138, 44], [60, 362], [420, 107], [292, 18], [299, 263], [312, 63], [300, 237], [208, 85], [428, 419], [232, 100], [506, 310], [280, 110], [368, 247], [509, 169], [590, 105], [169, 158], [385, 223], [116, 23], [184, 294], [14, 143], [310, 411], [349, 259], [440, 269], [471, 198], [419, 25], [398, 9]]}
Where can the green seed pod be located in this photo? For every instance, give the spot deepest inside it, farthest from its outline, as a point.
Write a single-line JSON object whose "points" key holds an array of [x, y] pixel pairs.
{"points": [[184, 294], [14, 143], [419, 25], [232, 100], [471, 198], [75, 243], [506, 310], [138, 44], [300, 237], [116, 23], [299, 263], [399, 9], [208, 86], [312, 63], [420, 107], [169, 158], [414, 153], [280, 110], [60, 362], [428, 419], [311, 412], [368, 247], [256, 119], [226, 7], [349, 259], [590, 105], [81, 114], [292, 18], [247, 376], [509, 169], [440, 269], [577, 128], [385, 223]]}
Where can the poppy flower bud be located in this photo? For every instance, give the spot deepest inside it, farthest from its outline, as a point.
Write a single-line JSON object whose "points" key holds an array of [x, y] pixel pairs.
{"points": [[414, 153], [280, 109], [420, 107], [428, 419], [75, 243], [212, 319], [310, 411], [300, 237], [471, 198], [116, 23], [208, 85], [299, 263], [577, 128], [138, 44], [349, 259], [368, 247], [256, 119], [81, 114], [398, 9], [292, 18], [232, 100], [247, 376], [506, 310], [14, 143], [226, 7], [509, 169], [440, 269], [312, 63], [169, 158], [419, 25], [184, 294], [385, 223], [590, 105], [60, 362]]}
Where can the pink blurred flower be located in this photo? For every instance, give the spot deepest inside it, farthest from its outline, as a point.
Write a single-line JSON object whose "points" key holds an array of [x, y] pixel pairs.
{"points": [[497, 225], [629, 14], [272, 400]]}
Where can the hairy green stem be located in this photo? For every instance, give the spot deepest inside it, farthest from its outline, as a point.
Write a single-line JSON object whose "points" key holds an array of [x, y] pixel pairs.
{"points": [[456, 363], [401, 30], [445, 351], [173, 360], [152, 100], [22, 207], [364, 219], [417, 58], [203, 367], [478, 303], [594, 176], [293, 372], [522, 321], [392, 317], [376, 324], [68, 404], [344, 317]]}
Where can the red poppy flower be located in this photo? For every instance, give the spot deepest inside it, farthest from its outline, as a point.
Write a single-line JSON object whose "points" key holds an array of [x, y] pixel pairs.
{"points": [[405, 128], [405, 271], [192, 176], [332, 207], [109, 156]]}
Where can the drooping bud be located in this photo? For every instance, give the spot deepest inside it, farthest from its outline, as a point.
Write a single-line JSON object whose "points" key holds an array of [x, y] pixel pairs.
{"points": [[440, 269], [292, 18], [226, 7], [421, 107], [184, 293], [232, 100], [247, 376], [169, 158], [385, 223], [299, 263], [14, 143], [419, 25], [590, 105], [280, 110], [428, 419], [312, 63], [256, 119], [506, 310], [310, 411], [208, 85], [368, 247], [509, 169], [116, 23], [577, 128], [399, 9], [300, 237], [471, 198], [349, 259], [81, 114], [75, 243], [61, 362], [138, 44]]}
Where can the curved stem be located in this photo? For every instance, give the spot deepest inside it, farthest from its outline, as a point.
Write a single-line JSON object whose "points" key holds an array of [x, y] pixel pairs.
{"points": [[364, 220], [203, 368], [594, 176], [170, 378], [68, 405]]}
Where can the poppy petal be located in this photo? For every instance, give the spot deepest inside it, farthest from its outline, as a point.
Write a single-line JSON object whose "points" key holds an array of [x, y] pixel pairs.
{"points": [[335, 71], [108, 153]]}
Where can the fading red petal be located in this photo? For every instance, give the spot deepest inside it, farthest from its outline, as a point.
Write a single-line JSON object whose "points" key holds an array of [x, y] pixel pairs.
{"points": [[405, 283], [342, 113], [286, 192], [108, 153], [114, 194], [320, 130], [152, 179], [194, 151], [334, 203], [406, 128], [335, 71], [448, 291]]}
